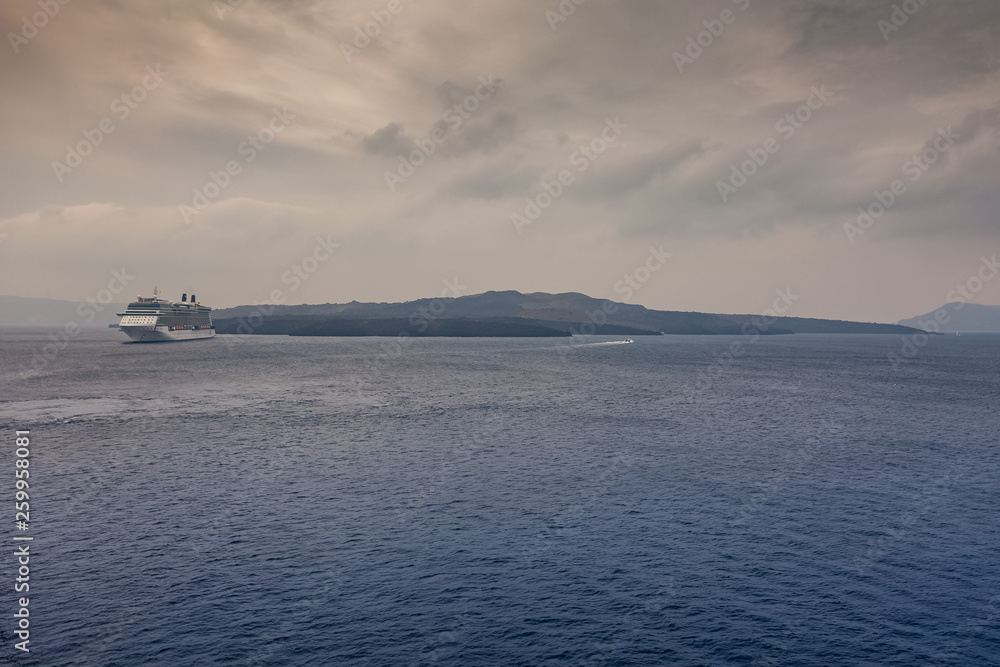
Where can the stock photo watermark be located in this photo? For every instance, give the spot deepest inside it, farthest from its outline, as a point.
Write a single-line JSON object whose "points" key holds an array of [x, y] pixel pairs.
{"points": [[646, 607], [562, 12], [915, 168], [122, 107], [929, 497], [294, 277], [419, 319], [363, 35], [581, 159], [955, 299], [901, 13], [455, 117], [485, 433], [972, 629], [787, 126], [223, 7], [714, 28], [755, 328], [88, 310], [250, 148], [634, 281], [567, 521], [793, 463], [22, 520], [30, 25], [629, 284]]}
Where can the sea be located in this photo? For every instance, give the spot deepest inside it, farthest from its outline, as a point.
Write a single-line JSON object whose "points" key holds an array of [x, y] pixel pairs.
{"points": [[688, 500]]}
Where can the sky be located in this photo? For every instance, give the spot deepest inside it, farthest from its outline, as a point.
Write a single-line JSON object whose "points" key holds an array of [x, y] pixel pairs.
{"points": [[308, 151]]}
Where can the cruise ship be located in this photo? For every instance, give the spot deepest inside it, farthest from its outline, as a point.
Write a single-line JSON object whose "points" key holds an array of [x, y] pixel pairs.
{"points": [[156, 320]]}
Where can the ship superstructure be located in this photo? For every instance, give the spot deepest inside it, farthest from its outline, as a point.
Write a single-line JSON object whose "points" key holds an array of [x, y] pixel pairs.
{"points": [[154, 320]]}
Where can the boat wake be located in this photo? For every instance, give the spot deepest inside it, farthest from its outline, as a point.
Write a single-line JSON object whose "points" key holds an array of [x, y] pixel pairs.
{"points": [[607, 342]]}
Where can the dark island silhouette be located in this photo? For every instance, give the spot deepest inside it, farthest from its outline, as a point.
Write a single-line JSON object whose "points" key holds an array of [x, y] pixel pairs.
{"points": [[513, 314]]}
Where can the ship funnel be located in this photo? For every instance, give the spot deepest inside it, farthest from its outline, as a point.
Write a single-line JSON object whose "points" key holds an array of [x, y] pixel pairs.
{"points": [[184, 297], [192, 298]]}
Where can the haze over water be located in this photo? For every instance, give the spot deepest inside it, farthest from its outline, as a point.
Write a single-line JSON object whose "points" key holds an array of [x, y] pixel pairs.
{"points": [[279, 502]]}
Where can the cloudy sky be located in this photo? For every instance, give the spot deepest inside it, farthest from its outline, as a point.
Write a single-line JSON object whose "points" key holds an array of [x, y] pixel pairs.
{"points": [[116, 115]]}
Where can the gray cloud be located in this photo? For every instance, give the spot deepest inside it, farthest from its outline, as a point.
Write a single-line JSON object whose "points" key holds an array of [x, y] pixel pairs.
{"points": [[641, 170], [390, 141], [496, 183], [483, 134]]}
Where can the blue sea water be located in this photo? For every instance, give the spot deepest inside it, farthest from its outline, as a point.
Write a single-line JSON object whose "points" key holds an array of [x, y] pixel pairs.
{"points": [[338, 501]]}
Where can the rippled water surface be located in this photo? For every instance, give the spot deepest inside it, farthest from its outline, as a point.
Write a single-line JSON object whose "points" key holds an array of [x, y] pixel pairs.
{"points": [[306, 501]]}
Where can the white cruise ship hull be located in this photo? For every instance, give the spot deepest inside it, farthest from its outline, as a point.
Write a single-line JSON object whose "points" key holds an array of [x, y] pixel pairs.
{"points": [[163, 334], [156, 320]]}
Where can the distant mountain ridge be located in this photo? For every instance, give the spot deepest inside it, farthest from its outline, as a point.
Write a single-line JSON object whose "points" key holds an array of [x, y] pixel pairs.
{"points": [[958, 318], [577, 312]]}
